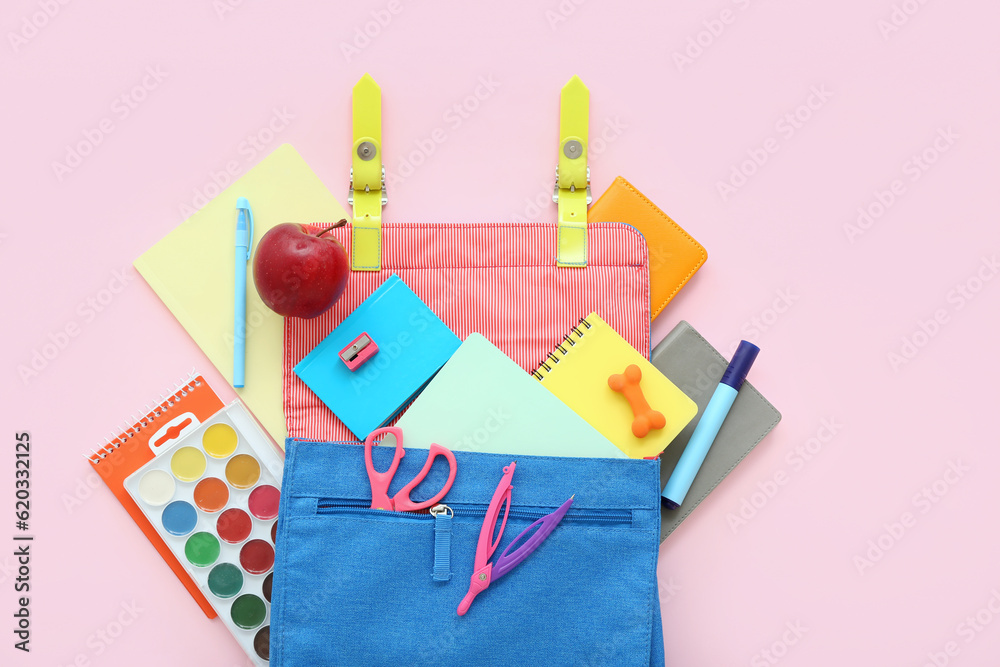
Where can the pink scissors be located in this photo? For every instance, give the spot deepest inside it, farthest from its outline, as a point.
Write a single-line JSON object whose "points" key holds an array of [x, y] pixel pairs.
{"points": [[380, 481]]}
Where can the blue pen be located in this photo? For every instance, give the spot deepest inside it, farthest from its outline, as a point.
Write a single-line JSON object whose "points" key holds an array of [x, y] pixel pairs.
{"points": [[708, 426], [244, 239]]}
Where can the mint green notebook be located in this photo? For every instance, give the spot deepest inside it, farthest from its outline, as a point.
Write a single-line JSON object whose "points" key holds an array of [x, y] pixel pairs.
{"points": [[482, 401]]}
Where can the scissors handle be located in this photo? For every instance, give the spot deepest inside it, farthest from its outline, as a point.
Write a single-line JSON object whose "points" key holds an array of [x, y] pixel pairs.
{"points": [[402, 501], [380, 480]]}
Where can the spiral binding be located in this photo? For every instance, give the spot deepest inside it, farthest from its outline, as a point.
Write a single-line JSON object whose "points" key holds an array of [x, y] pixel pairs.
{"points": [[567, 344], [137, 423]]}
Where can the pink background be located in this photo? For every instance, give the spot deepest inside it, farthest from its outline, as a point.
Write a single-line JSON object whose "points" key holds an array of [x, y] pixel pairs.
{"points": [[826, 309]]}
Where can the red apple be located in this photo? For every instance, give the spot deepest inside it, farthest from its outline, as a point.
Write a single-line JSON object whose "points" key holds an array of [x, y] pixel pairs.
{"points": [[299, 274]]}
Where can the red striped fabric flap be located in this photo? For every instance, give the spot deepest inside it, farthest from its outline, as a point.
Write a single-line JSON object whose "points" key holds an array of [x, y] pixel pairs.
{"points": [[499, 280]]}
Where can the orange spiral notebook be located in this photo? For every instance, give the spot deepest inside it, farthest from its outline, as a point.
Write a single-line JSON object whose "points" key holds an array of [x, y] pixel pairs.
{"points": [[177, 413]]}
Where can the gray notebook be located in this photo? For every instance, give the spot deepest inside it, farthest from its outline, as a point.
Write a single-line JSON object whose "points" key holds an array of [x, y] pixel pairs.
{"points": [[696, 367]]}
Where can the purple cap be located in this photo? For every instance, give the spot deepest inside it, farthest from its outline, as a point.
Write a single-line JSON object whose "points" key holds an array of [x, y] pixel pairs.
{"points": [[738, 368]]}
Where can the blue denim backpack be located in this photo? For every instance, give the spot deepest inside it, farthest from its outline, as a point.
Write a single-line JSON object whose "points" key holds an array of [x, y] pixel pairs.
{"points": [[356, 586]]}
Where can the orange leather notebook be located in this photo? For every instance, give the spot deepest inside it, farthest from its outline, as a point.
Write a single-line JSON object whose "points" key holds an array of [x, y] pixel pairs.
{"points": [[674, 255], [184, 409]]}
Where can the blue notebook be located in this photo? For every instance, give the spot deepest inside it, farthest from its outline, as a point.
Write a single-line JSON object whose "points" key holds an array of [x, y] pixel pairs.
{"points": [[413, 344]]}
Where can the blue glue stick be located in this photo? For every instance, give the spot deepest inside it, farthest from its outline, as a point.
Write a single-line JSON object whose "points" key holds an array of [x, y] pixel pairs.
{"points": [[708, 426]]}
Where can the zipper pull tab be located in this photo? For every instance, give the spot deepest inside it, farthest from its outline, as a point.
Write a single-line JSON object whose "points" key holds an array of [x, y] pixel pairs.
{"points": [[442, 542]]}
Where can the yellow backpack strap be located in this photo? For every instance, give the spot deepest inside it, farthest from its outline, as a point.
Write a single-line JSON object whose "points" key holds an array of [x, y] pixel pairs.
{"points": [[367, 191], [572, 191]]}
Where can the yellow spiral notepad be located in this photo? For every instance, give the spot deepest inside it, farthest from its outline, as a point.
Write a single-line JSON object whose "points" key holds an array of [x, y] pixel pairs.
{"points": [[577, 372]]}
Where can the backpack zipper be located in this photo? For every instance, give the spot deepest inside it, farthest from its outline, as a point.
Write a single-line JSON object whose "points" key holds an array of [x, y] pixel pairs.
{"points": [[573, 515]]}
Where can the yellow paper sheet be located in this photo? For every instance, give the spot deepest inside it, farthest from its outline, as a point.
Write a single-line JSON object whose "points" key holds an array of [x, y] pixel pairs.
{"points": [[192, 270]]}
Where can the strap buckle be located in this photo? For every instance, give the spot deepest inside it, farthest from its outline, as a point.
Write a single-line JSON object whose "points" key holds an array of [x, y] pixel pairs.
{"points": [[385, 194], [571, 188]]}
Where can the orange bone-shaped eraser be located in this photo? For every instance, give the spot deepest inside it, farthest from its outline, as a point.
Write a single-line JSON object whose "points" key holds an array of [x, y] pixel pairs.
{"points": [[645, 417]]}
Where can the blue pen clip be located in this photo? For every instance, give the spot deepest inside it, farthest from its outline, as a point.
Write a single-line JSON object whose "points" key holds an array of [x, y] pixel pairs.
{"points": [[245, 216]]}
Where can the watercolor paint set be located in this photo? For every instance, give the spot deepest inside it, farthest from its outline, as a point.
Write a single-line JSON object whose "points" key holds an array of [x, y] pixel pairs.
{"points": [[209, 488]]}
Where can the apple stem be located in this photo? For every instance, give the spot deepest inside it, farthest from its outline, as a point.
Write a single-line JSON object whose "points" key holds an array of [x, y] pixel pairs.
{"points": [[339, 223]]}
